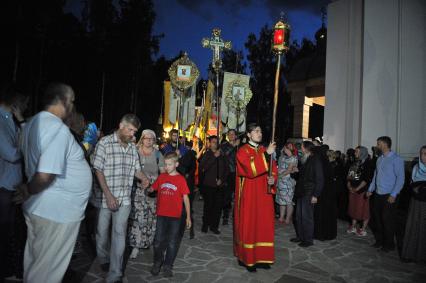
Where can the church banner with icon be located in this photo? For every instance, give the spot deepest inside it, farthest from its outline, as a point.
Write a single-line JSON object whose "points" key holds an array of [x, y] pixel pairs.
{"points": [[236, 94]]}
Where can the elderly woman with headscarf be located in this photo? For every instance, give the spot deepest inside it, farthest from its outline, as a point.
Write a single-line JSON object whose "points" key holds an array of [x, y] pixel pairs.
{"points": [[144, 205], [359, 177], [414, 247]]}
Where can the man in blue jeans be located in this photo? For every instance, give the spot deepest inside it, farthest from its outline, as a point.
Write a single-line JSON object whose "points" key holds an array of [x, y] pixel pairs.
{"points": [[387, 182], [116, 164]]}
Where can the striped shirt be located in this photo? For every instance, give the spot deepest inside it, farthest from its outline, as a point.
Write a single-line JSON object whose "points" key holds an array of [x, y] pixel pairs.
{"points": [[119, 165]]}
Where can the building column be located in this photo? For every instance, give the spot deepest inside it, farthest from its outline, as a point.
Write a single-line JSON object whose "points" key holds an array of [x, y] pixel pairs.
{"points": [[302, 106]]}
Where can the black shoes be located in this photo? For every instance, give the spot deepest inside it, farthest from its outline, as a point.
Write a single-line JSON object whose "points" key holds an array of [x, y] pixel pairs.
{"points": [[105, 267], [155, 270], [295, 240], [386, 250], [263, 265], [215, 231], [253, 268], [167, 272], [204, 228], [305, 244]]}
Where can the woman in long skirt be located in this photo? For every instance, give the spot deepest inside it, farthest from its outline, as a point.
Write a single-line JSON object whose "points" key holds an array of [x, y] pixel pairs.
{"points": [[414, 247], [359, 178], [143, 217]]}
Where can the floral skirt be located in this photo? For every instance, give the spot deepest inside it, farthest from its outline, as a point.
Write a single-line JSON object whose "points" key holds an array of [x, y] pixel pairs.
{"points": [[285, 192], [142, 220]]}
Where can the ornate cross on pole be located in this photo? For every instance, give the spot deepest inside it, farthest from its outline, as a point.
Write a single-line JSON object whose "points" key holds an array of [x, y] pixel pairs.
{"points": [[217, 44]]}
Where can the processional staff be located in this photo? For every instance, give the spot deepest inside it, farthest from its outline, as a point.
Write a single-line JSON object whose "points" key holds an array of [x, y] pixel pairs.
{"points": [[280, 44], [217, 44], [183, 74]]}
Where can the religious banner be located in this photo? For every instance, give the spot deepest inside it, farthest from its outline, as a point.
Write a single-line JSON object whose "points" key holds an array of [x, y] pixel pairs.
{"points": [[236, 94], [168, 111], [173, 105], [207, 105], [183, 73], [188, 108]]}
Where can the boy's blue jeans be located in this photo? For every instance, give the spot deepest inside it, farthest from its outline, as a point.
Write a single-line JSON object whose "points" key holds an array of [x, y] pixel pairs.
{"points": [[167, 240]]}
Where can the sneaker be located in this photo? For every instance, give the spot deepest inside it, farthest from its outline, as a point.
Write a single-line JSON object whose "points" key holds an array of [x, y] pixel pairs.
{"points": [[167, 272], [361, 233], [134, 253], [351, 230], [155, 269]]}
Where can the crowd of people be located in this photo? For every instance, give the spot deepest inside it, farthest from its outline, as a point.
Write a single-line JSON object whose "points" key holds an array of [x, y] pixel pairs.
{"points": [[56, 171]]}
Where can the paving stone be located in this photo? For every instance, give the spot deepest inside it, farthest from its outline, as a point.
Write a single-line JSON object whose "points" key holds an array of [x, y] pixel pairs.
{"points": [[299, 256], [332, 253], [377, 279], [209, 258], [309, 267], [338, 279], [198, 277]]}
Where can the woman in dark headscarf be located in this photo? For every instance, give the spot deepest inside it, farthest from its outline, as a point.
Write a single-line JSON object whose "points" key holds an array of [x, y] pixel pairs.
{"points": [[359, 178], [414, 247]]}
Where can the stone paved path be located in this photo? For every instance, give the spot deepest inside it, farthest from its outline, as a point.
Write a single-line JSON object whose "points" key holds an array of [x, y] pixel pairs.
{"points": [[209, 258]]}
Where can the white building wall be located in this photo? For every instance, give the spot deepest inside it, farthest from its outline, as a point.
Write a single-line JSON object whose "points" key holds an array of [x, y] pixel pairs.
{"points": [[385, 77]]}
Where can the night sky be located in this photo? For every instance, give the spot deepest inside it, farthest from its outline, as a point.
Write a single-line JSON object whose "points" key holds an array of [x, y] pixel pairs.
{"points": [[185, 22]]}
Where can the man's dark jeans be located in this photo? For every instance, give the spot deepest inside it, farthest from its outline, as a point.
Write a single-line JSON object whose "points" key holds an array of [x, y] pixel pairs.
{"points": [[167, 240], [229, 191], [213, 204], [7, 219], [384, 218], [305, 219]]}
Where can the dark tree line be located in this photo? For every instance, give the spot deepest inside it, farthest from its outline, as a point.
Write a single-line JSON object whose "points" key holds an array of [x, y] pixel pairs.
{"points": [[108, 52], [108, 49]]}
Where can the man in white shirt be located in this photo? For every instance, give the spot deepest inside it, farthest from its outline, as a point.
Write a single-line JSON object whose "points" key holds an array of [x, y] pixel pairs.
{"points": [[58, 189]]}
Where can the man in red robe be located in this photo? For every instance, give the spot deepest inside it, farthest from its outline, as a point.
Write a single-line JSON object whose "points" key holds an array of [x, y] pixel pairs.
{"points": [[254, 205]]}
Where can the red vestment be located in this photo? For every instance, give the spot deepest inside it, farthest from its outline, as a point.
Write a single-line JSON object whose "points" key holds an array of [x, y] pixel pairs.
{"points": [[254, 208]]}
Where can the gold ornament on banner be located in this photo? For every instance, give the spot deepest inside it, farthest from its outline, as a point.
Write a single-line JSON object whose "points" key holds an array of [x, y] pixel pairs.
{"points": [[183, 73], [238, 94]]}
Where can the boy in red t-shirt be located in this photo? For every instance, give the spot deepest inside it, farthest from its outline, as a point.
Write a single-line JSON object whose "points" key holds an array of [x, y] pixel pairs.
{"points": [[172, 189]]}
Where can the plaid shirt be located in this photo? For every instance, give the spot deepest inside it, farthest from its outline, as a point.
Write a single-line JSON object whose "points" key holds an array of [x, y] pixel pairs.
{"points": [[119, 165]]}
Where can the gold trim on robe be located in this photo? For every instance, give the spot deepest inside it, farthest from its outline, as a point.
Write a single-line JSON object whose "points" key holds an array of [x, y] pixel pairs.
{"points": [[264, 160], [258, 244], [253, 166]]}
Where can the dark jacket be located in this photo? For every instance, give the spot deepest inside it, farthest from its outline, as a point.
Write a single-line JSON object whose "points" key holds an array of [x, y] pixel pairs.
{"points": [[208, 168], [187, 167], [230, 152], [311, 178]]}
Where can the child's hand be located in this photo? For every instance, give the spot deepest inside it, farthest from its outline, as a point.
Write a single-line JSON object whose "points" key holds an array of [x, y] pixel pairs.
{"points": [[188, 223]]}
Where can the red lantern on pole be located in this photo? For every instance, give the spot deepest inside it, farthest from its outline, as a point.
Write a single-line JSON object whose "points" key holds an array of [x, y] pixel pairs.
{"points": [[280, 41], [280, 44]]}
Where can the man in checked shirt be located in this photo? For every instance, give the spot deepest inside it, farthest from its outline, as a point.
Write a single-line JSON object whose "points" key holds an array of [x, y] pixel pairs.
{"points": [[116, 164]]}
